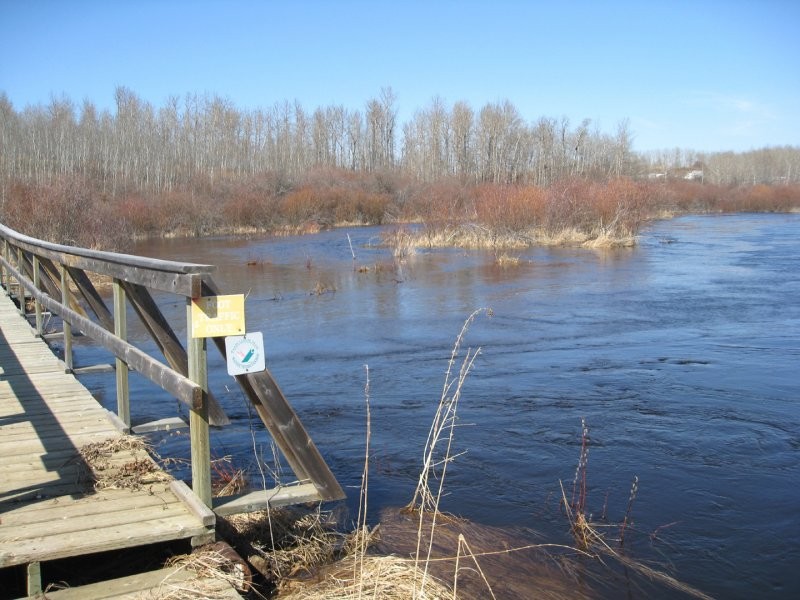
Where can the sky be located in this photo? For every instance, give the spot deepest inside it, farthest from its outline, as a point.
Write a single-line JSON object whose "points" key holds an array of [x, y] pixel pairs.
{"points": [[698, 75]]}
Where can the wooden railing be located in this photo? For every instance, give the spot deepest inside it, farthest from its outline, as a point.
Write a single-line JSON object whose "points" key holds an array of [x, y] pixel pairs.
{"points": [[59, 278]]}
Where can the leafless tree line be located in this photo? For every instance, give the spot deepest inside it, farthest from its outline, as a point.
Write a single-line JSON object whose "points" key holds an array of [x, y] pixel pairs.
{"points": [[773, 165], [207, 138]]}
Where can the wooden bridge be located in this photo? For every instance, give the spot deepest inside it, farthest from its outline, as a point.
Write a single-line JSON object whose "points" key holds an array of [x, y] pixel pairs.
{"points": [[53, 504]]}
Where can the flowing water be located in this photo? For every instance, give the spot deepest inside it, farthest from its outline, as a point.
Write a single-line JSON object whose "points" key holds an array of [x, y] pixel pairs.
{"points": [[682, 355]]}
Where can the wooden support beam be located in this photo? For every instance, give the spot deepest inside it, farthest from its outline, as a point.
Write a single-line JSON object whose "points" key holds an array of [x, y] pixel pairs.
{"points": [[55, 287], [166, 340], [49, 277], [93, 299]]}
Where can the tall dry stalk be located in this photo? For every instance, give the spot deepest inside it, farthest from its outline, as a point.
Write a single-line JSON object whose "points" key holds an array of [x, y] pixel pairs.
{"points": [[579, 491], [275, 474], [361, 533], [442, 430], [463, 548]]}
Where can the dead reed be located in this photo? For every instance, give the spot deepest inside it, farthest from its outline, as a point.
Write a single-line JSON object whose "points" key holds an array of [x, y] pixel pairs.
{"points": [[226, 479], [435, 457], [594, 542]]}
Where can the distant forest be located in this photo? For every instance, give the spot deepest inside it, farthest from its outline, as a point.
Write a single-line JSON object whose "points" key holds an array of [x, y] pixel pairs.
{"points": [[199, 164]]}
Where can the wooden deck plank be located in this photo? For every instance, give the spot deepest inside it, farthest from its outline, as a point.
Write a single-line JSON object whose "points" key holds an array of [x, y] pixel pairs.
{"points": [[154, 584], [88, 524], [114, 537], [103, 502], [35, 446]]}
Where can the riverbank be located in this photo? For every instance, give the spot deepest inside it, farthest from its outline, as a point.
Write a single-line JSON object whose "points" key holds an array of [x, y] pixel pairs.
{"points": [[567, 212]]}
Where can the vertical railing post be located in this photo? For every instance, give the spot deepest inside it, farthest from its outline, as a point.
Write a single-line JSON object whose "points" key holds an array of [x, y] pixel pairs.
{"points": [[198, 418], [37, 305], [121, 331], [8, 273], [20, 288], [4, 281], [64, 323]]}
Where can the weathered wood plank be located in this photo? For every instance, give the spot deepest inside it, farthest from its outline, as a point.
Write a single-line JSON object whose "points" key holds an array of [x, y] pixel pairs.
{"points": [[263, 499], [81, 524], [193, 502], [182, 284], [127, 535], [43, 424], [53, 444], [168, 582], [104, 501], [171, 276], [92, 297]]}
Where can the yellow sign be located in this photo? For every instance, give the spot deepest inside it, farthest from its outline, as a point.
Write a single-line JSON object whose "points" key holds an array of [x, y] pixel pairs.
{"points": [[218, 316]]}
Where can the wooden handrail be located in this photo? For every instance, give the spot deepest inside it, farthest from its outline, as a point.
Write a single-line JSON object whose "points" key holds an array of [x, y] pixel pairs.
{"points": [[48, 271], [170, 381], [180, 278]]}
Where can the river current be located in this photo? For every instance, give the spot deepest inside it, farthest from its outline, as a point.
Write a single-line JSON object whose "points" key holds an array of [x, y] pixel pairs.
{"points": [[681, 354]]}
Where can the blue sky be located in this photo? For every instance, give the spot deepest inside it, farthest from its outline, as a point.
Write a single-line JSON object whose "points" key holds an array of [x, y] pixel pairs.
{"points": [[701, 75]]}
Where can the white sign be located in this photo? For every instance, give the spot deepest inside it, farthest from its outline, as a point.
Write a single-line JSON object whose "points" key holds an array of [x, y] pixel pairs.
{"points": [[245, 353]]}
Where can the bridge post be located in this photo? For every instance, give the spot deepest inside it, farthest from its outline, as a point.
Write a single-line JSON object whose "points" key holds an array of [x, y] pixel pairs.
{"points": [[198, 418], [20, 289], [4, 281], [121, 331], [66, 325], [37, 282]]}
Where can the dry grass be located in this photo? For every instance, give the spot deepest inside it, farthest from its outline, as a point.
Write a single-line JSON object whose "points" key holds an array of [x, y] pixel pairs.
{"points": [[438, 452], [210, 568], [402, 241], [479, 561], [121, 462], [283, 543], [321, 288], [478, 237], [505, 260], [384, 577]]}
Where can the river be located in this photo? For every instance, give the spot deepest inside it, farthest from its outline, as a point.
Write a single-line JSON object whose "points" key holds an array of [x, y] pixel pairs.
{"points": [[681, 354]]}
